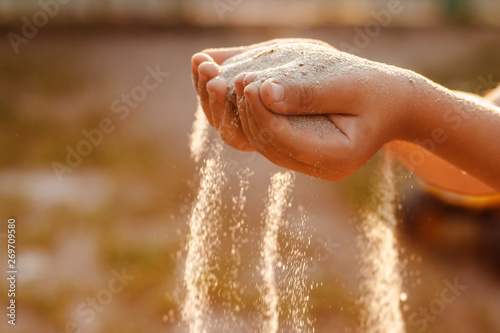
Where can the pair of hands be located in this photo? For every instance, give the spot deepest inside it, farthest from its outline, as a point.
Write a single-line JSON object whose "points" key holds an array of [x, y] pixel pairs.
{"points": [[369, 105]]}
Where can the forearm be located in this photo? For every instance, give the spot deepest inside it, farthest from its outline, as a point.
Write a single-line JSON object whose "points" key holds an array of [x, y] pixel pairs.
{"points": [[435, 170], [461, 129]]}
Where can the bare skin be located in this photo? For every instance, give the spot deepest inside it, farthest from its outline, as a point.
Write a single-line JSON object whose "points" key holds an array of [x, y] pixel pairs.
{"points": [[435, 169], [423, 125]]}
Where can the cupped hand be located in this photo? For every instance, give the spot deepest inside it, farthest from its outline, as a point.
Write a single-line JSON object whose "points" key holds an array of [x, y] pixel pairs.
{"points": [[212, 90], [366, 102]]}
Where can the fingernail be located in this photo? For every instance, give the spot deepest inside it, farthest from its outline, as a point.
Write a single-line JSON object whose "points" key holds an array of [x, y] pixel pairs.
{"points": [[277, 92]]}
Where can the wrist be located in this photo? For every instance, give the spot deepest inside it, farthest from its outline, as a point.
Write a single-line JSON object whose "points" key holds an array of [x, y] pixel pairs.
{"points": [[420, 111], [406, 91]]}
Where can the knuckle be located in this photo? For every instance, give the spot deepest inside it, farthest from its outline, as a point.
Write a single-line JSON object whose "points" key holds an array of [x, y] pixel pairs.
{"points": [[306, 96], [249, 78]]}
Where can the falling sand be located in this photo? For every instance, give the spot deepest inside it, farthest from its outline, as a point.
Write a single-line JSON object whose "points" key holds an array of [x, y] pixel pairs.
{"points": [[202, 246], [279, 191], [381, 286], [202, 241], [198, 139], [306, 63]]}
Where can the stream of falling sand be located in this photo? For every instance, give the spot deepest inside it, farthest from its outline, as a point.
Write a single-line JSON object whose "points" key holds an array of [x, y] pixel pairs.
{"points": [[382, 282], [203, 227], [202, 244], [276, 203]]}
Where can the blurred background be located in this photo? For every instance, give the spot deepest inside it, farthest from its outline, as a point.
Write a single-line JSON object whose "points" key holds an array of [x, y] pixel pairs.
{"points": [[96, 106]]}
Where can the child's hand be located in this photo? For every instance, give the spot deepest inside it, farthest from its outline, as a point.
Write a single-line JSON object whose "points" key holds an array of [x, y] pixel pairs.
{"points": [[366, 102], [354, 138], [212, 89]]}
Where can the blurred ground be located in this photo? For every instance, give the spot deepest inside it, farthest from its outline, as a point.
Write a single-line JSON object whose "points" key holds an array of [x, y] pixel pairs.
{"points": [[122, 209]]}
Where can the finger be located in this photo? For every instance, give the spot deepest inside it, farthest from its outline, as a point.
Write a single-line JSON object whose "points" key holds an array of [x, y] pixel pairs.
{"points": [[295, 98], [238, 84], [259, 137], [251, 134], [231, 131], [303, 144], [242, 108], [276, 129], [196, 60], [224, 115], [249, 78], [206, 72], [217, 92]]}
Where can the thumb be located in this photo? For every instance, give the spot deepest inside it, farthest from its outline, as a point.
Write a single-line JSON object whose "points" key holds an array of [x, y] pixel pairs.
{"points": [[294, 98]]}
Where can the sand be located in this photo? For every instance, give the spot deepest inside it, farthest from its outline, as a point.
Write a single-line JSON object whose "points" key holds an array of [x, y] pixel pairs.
{"points": [[304, 63], [381, 285], [202, 243], [278, 200]]}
